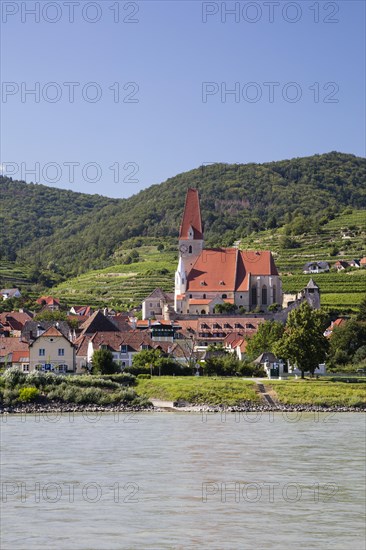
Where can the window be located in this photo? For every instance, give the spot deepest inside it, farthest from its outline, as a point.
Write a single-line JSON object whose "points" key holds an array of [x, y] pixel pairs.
{"points": [[204, 296], [123, 348], [42, 352], [274, 294], [61, 352], [254, 295], [144, 346], [264, 295], [190, 249], [25, 368], [224, 296]]}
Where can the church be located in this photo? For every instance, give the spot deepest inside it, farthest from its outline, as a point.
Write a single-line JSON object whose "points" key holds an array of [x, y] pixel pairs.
{"points": [[209, 276]]}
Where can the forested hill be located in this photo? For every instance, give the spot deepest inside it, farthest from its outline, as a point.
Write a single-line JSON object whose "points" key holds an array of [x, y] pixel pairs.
{"points": [[79, 231]]}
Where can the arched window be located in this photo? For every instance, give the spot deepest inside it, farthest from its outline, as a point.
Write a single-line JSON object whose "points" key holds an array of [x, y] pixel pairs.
{"points": [[203, 312], [224, 296], [274, 294], [254, 295], [264, 295], [190, 249], [204, 297]]}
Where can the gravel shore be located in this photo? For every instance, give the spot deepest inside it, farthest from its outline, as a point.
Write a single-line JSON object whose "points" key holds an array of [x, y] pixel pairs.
{"points": [[34, 408]]}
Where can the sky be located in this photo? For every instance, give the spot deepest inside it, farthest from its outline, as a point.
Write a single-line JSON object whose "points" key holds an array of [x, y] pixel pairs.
{"points": [[110, 97]]}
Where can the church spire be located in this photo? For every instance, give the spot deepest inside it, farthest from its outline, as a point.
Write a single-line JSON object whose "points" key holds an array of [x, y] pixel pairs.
{"points": [[191, 226]]}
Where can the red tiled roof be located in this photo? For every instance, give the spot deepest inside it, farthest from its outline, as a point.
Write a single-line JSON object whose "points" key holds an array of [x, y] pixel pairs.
{"points": [[191, 216], [228, 269], [15, 319], [52, 331], [20, 356], [49, 300], [194, 302], [9, 345]]}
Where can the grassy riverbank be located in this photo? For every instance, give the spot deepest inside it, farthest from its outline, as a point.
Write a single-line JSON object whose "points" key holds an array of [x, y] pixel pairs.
{"points": [[203, 391], [233, 391], [325, 393], [18, 390]]}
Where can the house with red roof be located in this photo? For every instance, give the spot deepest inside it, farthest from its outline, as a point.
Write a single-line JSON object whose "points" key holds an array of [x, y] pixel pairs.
{"points": [[52, 351], [49, 302], [209, 276]]}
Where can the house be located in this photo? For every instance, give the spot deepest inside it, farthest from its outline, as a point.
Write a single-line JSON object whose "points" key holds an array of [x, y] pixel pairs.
{"points": [[84, 311], [354, 263], [123, 345], [48, 302], [33, 329], [7, 293], [340, 265], [274, 367], [10, 346], [337, 323], [13, 322], [316, 267], [216, 329], [363, 262], [20, 360], [207, 276], [52, 351], [153, 305]]}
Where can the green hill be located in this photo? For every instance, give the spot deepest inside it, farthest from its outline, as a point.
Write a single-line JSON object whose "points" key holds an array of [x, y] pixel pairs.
{"points": [[124, 285], [72, 232]]}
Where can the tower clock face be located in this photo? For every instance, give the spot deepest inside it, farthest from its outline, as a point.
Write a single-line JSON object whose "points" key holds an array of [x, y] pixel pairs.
{"points": [[183, 248]]}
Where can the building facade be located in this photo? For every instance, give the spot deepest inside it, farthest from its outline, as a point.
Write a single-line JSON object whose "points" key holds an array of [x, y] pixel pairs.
{"points": [[206, 277]]}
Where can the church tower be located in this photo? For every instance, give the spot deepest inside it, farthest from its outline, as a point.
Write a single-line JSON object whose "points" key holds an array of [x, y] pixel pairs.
{"points": [[191, 232]]}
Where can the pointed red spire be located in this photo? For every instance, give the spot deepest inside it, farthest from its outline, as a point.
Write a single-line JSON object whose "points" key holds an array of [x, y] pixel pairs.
{"points": [[191, 216]]}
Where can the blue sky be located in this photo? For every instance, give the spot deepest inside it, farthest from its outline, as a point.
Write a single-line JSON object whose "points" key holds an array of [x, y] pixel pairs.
{"points": [[174, 64]]}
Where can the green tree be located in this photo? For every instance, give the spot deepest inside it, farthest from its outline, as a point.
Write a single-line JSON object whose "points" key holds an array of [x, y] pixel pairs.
{"points": [[225, 308], [103, 362], [264, 339], [346, 340], [362, 310], [303, 341]]}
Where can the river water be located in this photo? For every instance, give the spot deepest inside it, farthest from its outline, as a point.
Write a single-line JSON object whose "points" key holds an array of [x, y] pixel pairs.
{"points": [[183, 480]]}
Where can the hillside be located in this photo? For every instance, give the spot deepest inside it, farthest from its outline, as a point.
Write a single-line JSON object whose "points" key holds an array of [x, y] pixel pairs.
{"points": [[69, 233], [124, 285]]}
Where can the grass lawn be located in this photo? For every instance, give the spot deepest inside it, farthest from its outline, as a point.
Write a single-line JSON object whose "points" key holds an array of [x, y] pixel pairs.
{"points": [[200, 390], [319, 392]]}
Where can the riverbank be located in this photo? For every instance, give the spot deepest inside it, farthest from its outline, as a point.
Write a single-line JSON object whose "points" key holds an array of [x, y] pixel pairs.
{"points": [[248, 407]]}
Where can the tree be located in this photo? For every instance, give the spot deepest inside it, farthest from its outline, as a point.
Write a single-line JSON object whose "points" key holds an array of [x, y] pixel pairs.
{"points": [[225, 308], [103, 362], [303, 341], [267, 335], [346, 340], [362, 310]]}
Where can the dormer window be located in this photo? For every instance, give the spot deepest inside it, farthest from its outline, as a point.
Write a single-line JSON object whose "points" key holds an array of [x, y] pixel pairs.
{"points": [[203, 283], [221, 283], [123, 348]]}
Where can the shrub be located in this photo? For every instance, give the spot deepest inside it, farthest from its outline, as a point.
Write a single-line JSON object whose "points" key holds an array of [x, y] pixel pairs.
{"points": [[144, 376], [28, 394], [14, 377]]}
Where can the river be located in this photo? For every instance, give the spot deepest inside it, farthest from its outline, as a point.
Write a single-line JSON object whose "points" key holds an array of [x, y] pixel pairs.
{"points": [[183, 480]]}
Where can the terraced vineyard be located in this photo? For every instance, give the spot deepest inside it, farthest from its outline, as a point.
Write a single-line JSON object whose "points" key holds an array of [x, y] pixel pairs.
{"points": [[14, 275], [343, 238], [121, 286]]}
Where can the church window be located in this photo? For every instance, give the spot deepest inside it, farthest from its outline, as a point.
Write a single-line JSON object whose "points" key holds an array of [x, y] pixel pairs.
{"points": [[264, 295], [254, 295], [203, 312], [274, 294], [190, 249], [224, 296], [204, 296]]}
